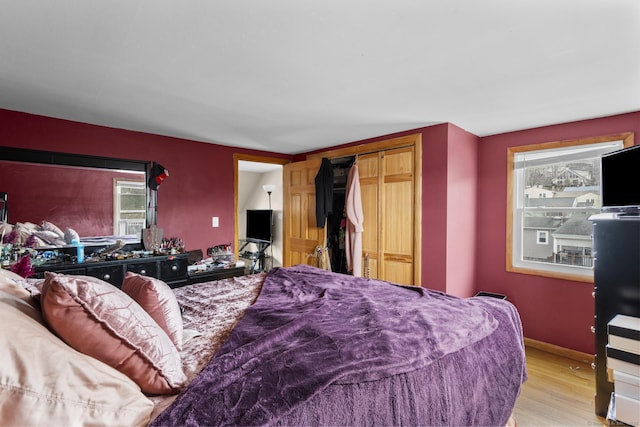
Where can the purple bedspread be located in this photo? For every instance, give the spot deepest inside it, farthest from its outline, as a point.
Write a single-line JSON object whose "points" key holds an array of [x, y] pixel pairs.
{"points": [[310, 329]]}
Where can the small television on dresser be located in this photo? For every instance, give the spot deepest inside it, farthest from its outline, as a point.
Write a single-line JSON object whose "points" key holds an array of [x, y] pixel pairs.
{"points": [[620, 172], [259, 224]]}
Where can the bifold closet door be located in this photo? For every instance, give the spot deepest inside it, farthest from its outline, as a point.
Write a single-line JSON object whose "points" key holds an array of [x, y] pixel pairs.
{"points": [[369, 172], [388, 203], [397, 204], [300, 234]]}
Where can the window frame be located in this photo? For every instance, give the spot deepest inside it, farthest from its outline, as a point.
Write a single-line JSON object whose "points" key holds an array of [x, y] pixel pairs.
{"points": [[532, 267], [118, 184]]}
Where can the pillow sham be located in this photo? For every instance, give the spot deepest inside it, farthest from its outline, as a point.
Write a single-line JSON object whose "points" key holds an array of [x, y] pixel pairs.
{"points": [[49, 237], [46, 225], [43, 381], [70, 235], [157, 299], [101, 321]]}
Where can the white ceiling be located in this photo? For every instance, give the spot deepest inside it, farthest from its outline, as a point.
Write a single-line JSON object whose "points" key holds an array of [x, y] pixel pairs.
{"points": [[292, 75]]}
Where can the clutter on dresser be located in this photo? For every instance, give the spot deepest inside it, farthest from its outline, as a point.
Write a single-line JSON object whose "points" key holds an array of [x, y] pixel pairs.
{"points": [[220, 264], [172, 245], [218, 256], [29, 250]]}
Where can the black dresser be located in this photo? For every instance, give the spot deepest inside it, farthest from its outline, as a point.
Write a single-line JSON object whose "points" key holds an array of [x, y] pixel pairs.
{"points": [[171, 269], [616, 240]]}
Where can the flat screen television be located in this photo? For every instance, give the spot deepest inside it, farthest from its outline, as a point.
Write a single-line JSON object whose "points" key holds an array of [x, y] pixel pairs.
{"points": [[259, 224], [620, 171]]}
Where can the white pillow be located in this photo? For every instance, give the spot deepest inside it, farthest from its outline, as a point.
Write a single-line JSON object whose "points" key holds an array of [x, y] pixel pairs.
{"points": [[43, 381], [11, 283]]}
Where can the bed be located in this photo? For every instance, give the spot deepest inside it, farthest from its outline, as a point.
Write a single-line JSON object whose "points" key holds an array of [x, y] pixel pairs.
{"points": [[304, 346], [47, 235]]}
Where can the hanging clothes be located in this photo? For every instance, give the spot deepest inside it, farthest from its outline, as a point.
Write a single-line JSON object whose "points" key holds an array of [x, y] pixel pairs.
{"points": [[324, 192], [355, 221]]}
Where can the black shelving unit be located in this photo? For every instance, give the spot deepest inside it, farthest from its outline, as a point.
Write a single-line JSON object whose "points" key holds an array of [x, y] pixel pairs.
{"points": [[616, 241]]}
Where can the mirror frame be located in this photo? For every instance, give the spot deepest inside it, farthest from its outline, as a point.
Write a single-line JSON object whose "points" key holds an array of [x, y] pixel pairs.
{"points": [[26, 155]]}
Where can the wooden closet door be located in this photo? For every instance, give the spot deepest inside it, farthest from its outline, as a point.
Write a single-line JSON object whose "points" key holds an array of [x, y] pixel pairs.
{"points": [[397, 216], [390, 185], [388, 203], [300, 234], [369, 172]]}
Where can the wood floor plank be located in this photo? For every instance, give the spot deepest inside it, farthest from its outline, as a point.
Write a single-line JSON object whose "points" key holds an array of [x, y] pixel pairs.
{"points": [[559, 392]]}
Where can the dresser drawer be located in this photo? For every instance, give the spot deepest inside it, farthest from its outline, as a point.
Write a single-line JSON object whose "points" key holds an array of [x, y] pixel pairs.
{"points": [[113, 274], [174, 270], [149, 268]]}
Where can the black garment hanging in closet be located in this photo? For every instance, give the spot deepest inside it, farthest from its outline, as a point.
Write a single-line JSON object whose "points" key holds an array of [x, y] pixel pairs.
{"points": [[324, 192]]}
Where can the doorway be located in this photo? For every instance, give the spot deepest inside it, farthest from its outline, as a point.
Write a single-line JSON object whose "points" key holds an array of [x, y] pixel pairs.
{"points": [[258, 186]]}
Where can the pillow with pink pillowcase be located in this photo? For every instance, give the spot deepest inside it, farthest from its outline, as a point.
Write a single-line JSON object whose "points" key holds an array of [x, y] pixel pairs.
{"points": [[157, 299]]}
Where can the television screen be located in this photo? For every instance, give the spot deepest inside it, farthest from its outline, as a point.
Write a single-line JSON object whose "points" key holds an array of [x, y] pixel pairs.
{"points": [[620, 183], [259, 224]]}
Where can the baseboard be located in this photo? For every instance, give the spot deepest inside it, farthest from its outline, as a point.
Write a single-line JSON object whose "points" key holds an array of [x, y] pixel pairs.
{"points": [[559, 351]]}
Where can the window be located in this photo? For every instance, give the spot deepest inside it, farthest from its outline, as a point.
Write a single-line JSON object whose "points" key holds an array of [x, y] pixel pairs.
{"points": [[129, 207], [553, 189], [543, 237]]}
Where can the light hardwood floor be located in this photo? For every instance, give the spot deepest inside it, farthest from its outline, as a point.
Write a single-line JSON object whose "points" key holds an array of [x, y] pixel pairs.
{"points": [[559, 392]]}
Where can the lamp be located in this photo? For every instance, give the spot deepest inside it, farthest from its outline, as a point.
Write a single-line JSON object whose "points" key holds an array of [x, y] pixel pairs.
{"points": [[269, 188]]}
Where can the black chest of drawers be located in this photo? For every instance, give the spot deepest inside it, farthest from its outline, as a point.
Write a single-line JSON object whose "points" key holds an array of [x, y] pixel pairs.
{"points": [[617, 287], [171, 269]]}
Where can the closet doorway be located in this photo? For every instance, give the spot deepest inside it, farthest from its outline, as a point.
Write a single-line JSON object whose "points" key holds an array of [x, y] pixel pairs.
{"points": [[258, 186]]}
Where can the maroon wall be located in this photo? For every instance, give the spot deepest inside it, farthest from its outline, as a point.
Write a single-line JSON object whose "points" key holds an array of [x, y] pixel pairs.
{"points": [[200, 186], [555, 311], [200, 183]]}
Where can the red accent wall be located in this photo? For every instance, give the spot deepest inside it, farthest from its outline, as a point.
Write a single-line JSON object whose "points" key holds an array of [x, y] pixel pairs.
{"points": [[555, 311], [463, 204], [200, 182]]}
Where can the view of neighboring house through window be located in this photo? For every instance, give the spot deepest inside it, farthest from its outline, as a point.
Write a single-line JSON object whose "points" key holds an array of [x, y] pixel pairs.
{"points": [[555, 188], [129, 207]]}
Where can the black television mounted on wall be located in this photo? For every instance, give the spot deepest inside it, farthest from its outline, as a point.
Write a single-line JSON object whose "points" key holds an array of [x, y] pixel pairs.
{"points": [[259, 224], [620, 171]]}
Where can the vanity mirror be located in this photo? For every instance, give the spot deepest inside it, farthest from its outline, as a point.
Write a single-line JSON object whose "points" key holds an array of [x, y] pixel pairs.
{"points": [[94, 196]]}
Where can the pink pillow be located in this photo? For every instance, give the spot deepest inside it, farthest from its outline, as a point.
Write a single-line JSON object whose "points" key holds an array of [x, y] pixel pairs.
{"points": [[100, 320], [157, 299]]}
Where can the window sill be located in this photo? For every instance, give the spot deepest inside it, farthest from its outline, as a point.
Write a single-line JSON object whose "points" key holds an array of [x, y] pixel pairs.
{"points": [[552, 274]]}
